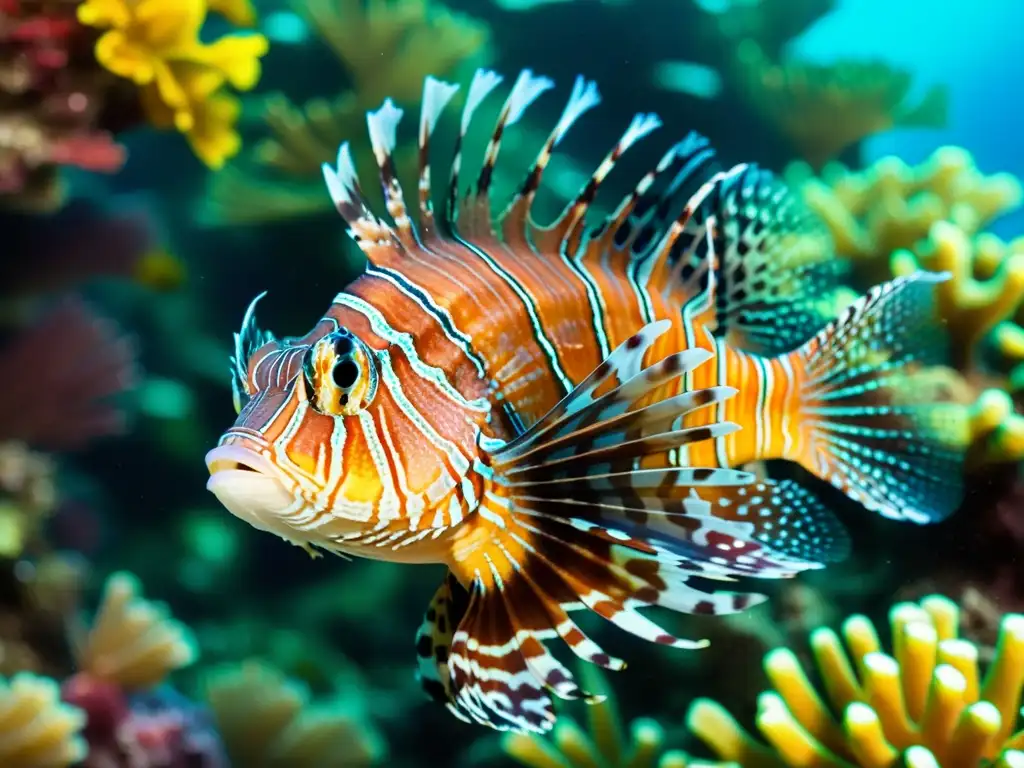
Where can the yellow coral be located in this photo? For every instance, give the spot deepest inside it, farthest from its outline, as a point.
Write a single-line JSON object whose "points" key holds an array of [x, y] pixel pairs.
{"points": [[387, 47], [925, 704], [134, 642], [602, 745], [267, 720], [892, 205], [38, 730], [971, 307], [156, 44]]}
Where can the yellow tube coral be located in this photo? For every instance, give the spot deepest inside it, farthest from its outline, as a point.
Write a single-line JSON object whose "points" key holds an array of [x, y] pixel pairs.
{"points": [[37, 729], [134, 642], [156, 44], [926, 703], [267, 720]]}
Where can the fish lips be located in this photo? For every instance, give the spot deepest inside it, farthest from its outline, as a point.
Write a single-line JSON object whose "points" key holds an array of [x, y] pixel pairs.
{"points": [[249, 487]]}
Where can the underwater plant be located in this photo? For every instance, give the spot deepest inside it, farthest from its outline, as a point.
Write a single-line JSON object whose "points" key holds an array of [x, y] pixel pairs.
{"points": [[925, 703], [824, 109]]}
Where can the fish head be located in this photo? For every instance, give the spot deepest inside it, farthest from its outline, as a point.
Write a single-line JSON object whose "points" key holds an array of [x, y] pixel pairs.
{"points": [[330, 440]]}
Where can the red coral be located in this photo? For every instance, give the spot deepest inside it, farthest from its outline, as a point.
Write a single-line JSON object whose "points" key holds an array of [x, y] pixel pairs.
{"points": [[59, 376], [161, 729]]}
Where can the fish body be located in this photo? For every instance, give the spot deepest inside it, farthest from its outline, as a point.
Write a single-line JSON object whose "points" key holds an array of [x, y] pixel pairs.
{"points": [[558, 413]]}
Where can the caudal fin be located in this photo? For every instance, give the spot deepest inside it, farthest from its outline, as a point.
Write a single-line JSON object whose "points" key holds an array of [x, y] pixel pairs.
{"points": [[867, 427]]}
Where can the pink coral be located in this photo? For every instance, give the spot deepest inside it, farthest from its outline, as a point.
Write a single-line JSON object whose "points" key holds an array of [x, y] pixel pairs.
{"points": [[160, 729]]}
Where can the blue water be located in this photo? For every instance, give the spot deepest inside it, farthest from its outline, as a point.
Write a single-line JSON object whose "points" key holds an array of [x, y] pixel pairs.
{"points": [[974, 48]]}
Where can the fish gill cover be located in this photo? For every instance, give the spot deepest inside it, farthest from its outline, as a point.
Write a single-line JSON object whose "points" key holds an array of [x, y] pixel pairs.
{"points": [[161, 163]]}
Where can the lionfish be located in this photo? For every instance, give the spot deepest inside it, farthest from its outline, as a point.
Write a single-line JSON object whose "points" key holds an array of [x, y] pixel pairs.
{"points": [[558, 413]]}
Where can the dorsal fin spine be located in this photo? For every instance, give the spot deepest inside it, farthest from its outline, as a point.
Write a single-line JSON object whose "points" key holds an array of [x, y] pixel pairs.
{"points": [[574, 215], [436, 96], [526, 90], [382, 126], [484, 81], [343, 185], [515, 220], [654, 271]]}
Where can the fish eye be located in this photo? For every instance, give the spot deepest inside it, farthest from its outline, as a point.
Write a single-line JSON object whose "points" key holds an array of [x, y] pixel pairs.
{"points": [[340, 373]]}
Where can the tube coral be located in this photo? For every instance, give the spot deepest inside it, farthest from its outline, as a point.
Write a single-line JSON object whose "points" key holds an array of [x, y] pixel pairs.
{"points": [[267, 721], [37, 730], [926, 703], [183, 80], [281, 178]]}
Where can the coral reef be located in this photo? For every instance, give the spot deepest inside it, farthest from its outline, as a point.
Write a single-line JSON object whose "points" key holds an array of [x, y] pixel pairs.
{"points": [[282, 177], [57, 106], [38, 730], [891, 219], [267, 721], [64, 401], [183, 81], [926, 703], [890, 205], [823, 109]]}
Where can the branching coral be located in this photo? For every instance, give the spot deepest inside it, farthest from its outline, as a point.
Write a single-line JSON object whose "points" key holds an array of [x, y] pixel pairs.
{"points": [[415, 37], [892, 205], [603, 744], [891, 219], [37, 730], [822, 109], [926, 704], [183, 80], [266, 721]]}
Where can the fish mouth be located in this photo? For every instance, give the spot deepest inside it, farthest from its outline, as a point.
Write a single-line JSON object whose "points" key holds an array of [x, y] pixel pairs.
{"points": [[250, 487]]}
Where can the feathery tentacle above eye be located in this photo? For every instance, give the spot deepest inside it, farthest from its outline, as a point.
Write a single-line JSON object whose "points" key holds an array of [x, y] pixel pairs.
{"points": [[247, 341]]}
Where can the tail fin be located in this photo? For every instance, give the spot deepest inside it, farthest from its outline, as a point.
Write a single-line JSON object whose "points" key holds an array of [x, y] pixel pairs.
{"points": [[867, 428]]}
